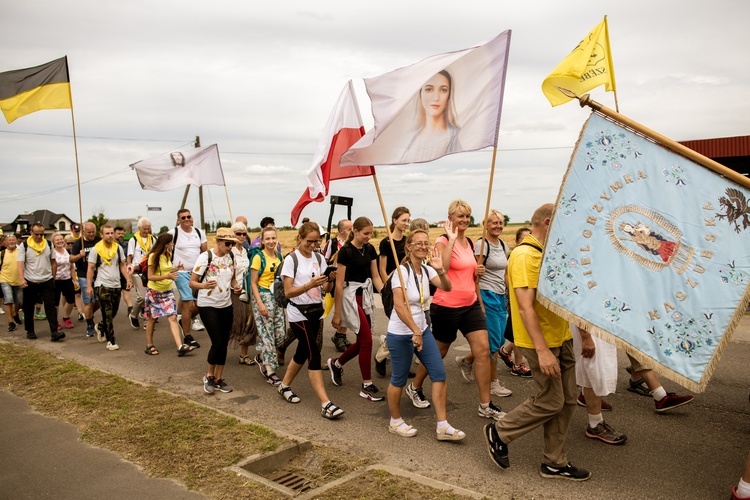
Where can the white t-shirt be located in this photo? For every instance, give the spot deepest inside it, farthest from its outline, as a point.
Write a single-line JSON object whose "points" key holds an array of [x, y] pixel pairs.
{"points": [[108, 275], [63, 265], [306, 270], [137, 252], [395, 325], [242, 263], [222, 270], [187, 247]]}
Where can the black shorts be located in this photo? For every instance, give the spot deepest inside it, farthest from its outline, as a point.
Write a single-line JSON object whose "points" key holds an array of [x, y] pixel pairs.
{"points": [[446, 321], [66, 289]]}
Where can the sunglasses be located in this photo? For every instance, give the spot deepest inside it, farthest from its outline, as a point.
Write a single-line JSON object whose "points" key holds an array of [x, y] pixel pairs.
{"points": [[228, 244], [240, 234], [186, 217], [38, 234]]}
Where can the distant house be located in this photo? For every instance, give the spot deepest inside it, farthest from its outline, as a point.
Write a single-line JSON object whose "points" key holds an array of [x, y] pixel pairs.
{"points": [[52, 222]]}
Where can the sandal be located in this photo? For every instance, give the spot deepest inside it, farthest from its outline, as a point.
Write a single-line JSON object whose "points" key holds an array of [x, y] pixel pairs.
{"points": [[151, 350], [457, 435], [273, 379], [288, 394], [184, 349], [403, 430], [247, 360]]}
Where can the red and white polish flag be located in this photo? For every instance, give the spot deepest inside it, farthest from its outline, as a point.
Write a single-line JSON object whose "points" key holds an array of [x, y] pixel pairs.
{"points": [[343, 129]]}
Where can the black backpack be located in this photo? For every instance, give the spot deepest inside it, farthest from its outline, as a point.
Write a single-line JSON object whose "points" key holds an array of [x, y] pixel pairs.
{"points": [[386, 294], [278, 283]]}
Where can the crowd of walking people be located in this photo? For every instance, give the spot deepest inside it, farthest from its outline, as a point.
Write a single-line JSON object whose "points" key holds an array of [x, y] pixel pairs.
{"points": [[249, 295]]}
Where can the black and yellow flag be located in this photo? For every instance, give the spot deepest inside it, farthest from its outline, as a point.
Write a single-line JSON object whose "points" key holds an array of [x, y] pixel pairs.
{"points": [[23, 91]]}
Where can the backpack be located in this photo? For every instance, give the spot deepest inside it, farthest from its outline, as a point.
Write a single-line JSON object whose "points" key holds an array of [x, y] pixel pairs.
{"points": [[386, 293], [259, 251], [177, 232], [487, 247], [278, 284], [205, 271]]}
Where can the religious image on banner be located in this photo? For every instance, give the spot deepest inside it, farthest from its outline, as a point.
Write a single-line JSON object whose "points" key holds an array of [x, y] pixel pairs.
{"points": [[445, 104], [648, 250], [195, 166]]}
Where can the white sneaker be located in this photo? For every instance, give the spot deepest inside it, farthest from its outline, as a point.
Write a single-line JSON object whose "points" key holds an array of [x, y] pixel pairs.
{"points": [[491, 411], [112, 347], [198, 324], [417, 397], [467, 370], [499, 389]]}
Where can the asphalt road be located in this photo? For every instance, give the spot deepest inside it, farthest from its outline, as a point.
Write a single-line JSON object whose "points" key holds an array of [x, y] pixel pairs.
{"points": [[697, 451]]}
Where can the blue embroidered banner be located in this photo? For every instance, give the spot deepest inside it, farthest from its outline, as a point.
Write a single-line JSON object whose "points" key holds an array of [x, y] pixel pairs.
{"points": [[649, 250]]}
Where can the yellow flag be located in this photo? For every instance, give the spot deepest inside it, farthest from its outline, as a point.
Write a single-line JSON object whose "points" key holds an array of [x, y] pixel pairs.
{"points": [[587, 67]]}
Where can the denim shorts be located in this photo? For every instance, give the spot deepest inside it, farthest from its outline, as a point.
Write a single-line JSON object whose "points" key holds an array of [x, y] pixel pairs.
{"points": [[86, 298], [12, 294], [402, 351], [183, 286]]}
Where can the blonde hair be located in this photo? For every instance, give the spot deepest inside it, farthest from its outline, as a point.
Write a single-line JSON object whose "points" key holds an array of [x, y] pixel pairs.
{"points": [[493, 212], [457, 205], [409, 238]]}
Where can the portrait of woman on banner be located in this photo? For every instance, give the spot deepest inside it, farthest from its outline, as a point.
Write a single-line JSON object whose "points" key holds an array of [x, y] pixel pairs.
{"points": [[435, 130]]}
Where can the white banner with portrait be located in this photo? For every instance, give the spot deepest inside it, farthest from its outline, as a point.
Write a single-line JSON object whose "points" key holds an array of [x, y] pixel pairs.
{"points": [[196, 166], [442, 105]]}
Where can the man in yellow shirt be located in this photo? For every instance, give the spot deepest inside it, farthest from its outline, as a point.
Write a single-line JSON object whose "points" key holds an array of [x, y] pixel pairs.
{"points": [[545, 340], [10, 281]]}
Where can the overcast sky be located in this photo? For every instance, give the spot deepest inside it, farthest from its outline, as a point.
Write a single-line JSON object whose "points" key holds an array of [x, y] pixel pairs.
{"points": [[260, 79]]}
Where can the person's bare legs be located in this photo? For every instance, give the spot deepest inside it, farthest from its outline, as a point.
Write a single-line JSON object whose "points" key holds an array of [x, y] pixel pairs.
{"points": [[173, 329], [480, 350]]}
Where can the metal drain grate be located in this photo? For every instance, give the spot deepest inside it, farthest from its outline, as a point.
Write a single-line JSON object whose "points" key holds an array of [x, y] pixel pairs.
{"points": [[292, 481]]}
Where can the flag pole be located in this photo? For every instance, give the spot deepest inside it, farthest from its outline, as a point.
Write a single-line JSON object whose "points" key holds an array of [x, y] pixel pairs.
{"points": [[226, 191], [382, 209], [675, 146], [75, 145], [492, 167], [611, 63], [390, 239]]}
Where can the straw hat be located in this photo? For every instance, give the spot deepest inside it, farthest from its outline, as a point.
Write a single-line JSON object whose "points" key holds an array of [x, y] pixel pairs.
{"points": [[226, 234]]}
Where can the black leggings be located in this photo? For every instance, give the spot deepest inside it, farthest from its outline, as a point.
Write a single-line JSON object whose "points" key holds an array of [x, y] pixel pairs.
{"points": [[218, 323], [308, 348]]}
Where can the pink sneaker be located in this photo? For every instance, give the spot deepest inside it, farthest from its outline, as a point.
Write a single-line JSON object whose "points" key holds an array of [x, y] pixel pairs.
{"points": [[67, 323]]}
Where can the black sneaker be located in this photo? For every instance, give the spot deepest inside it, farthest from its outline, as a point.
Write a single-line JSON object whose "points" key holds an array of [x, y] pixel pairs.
{"points": [[30, 335], [570, 471], [58, 336], [380, 367], [639, 387], [17, 319], [336, 372], [340, 342], [134, 322], [371, 392], [209, 384], [11, 326], [497, 449], [189, 340], [222, 386]]}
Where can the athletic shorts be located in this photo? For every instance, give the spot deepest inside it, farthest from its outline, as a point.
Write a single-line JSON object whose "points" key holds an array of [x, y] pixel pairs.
{"points": [[494, 308], [183, 286], [446, 321]]}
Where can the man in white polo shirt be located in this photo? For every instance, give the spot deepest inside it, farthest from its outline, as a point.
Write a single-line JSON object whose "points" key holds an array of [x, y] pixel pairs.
{"points": [[189, 243]]}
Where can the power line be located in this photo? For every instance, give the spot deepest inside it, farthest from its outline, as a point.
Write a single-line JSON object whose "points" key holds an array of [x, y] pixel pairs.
{"points": [[57, 189], [91, 137]]}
